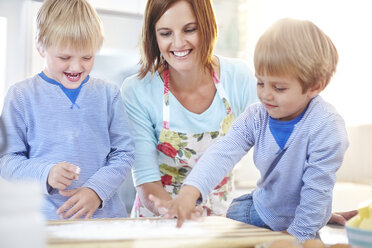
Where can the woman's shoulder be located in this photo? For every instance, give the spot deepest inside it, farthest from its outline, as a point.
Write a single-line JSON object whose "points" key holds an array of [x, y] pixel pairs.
{"points": [[148, 82], [233, 64]]}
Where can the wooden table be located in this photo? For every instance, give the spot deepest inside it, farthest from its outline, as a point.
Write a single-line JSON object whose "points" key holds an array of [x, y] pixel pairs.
{"points": [[216, 232]]}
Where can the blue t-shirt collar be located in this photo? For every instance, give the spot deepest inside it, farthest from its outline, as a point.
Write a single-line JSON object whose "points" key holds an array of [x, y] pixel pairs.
{"points": [[72, 94]]}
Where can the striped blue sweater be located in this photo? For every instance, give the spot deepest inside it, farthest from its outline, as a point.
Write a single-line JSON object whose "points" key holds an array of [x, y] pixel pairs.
{"points": [[294, 192], [44, 128]]}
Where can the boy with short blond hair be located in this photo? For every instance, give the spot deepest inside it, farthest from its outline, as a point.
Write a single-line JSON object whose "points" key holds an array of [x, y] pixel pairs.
{"points": [[299, 139], [66, 130]]}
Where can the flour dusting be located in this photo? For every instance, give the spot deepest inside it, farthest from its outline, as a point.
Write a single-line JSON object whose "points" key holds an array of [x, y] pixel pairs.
{"points": [[126, 229]]}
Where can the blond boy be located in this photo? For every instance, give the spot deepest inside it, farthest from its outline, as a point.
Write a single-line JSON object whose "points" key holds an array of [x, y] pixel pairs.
{"points": [[299, 139], [66, 130]]}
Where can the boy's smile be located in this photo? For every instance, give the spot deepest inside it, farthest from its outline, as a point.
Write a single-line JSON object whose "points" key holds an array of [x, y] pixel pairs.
{"points": [[67, 66], [282, 96]]}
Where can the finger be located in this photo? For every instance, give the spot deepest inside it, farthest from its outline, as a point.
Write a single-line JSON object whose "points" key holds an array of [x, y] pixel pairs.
{"points": [[196, 215], [59, 186], [72, 211], [64, 180], [80, 213], [180, 220], [71, 170], [68, 204], [162, 211], [89, 215], [349, 214], [337, 219], [153, 198], [157, 202]]}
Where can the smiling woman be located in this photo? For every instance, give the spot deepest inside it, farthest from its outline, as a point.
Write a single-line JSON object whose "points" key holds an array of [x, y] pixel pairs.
{"points": [[183, 99]]}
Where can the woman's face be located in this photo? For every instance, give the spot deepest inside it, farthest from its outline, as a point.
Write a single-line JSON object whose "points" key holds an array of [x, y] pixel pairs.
{"points": [[177, 35]]}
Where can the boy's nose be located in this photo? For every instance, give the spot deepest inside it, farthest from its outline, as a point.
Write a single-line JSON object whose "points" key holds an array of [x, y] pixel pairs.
{"points": [[266, 94], [75, 66]]}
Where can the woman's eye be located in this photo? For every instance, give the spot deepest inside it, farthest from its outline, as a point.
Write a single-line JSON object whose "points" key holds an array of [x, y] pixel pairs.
{"points": [[260, 84], [190, 30], [165, 34], [87, 58], [64, 58]]}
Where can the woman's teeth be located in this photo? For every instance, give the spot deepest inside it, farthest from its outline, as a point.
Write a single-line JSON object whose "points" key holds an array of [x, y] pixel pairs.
{"points": [[181, 54]]}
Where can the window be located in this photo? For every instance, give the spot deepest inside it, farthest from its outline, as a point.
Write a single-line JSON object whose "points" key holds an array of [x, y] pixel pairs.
{"points": [[3, 32], [348, 23]]}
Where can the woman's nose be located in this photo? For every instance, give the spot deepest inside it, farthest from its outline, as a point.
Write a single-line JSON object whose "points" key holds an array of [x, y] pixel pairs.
{"points": [[179, 40]]}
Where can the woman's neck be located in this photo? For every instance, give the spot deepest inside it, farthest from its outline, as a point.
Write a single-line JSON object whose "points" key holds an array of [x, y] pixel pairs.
{"points": [[188, 80]]}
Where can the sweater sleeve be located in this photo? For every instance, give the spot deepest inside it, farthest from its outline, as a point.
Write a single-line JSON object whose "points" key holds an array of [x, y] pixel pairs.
{"points": [[222, 156], [15, 163], [145, 168], [326, 151], [121, 156]]}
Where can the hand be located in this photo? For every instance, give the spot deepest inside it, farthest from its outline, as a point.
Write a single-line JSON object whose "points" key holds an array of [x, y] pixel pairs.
{"points": [[340, 218], [182, 207], [82, 201], [61, 175]]}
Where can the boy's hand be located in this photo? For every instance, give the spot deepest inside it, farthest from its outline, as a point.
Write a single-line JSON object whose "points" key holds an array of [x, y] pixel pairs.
{"points": [[340, 218], [61, 175], [83, 201], [182, 207]]}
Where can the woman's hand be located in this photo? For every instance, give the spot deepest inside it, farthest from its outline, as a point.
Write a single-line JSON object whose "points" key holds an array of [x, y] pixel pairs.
{"points": [[183, 206]]}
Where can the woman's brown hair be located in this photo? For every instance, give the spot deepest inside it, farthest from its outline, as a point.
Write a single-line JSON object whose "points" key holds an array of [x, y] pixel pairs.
{"points": [[150, 53]]}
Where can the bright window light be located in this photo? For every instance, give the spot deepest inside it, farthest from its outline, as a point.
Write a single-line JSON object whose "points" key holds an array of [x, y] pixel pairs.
{"points": [[3, 35], [348, 24]]}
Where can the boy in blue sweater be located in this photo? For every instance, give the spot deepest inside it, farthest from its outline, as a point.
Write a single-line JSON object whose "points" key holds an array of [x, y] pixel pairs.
{"points": [[299, 139], [66, 130]]}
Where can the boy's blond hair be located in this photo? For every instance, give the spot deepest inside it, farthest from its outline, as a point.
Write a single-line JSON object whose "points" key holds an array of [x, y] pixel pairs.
{"points": [[73, 23], [298, 48]]}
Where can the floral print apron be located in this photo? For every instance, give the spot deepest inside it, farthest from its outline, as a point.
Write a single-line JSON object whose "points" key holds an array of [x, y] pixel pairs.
{"points": [[179, 152]]}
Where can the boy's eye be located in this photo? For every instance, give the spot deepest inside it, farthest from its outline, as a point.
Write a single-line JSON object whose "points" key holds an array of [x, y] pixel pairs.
{"points": [[64, 58], [259, 84], [280, 89]]}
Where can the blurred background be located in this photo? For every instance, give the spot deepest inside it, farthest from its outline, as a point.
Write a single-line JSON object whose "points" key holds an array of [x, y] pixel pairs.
{"points": [[241, 22]]}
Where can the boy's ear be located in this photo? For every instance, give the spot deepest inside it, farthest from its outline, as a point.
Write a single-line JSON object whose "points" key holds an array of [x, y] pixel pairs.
{"points": [[319, 87], [40, 50]]}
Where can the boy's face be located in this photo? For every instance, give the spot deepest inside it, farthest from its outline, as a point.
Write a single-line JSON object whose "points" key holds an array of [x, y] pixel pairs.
{"points": [[67, 66], [282, 96]]}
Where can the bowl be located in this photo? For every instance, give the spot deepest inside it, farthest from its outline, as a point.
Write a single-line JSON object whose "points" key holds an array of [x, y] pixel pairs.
{"points": [[359, 237]]}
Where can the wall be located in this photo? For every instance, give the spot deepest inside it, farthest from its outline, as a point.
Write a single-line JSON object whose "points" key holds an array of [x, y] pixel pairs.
{"points": [[16, 13]]}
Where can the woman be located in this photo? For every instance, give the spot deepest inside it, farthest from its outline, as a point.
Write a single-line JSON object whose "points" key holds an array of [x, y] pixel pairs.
{"points": [[182, 100]]}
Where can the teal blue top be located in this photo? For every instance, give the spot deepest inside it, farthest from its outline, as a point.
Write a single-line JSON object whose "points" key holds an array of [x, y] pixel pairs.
{"points": [[143, 101]]}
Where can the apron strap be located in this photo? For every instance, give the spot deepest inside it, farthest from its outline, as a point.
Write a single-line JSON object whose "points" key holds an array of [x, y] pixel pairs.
{"points": [[220, 90]]}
